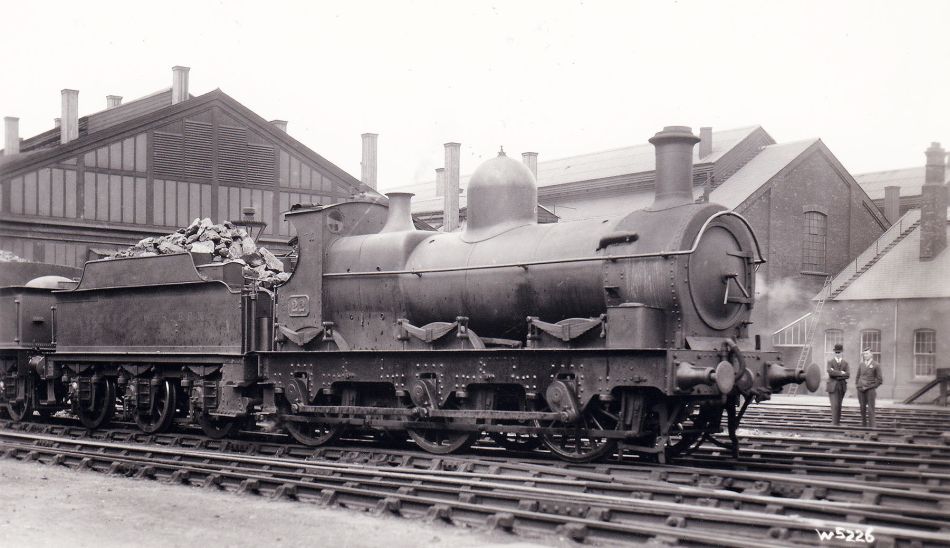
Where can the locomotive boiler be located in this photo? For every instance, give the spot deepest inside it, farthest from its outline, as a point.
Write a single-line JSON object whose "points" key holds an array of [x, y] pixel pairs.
{"points": [[578, 336]]}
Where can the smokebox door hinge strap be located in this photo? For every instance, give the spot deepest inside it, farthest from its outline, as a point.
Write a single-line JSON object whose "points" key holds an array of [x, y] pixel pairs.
{"points": [[569, 329]]}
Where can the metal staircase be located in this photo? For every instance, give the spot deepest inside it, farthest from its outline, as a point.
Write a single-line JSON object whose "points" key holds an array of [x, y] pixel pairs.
{"points": [[890, 238], [810, 328]]}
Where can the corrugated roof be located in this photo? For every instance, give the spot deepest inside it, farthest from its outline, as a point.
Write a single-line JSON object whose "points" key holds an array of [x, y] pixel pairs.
{"points": [[909, 179], [900, 274], [603, 164], [760, 170]]}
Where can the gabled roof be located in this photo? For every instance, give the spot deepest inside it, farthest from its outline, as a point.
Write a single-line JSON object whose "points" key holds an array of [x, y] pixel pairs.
{"points": [[768, 163], [909, 179], [640, 158], [134, 116], [900, 274]]}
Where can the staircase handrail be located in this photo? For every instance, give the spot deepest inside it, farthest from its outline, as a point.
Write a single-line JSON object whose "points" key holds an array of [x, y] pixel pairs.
{"points": [[892, 233]]}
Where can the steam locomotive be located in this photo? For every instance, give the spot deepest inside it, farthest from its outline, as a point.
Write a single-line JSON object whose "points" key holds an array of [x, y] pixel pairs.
{"points": [[577, 336]]}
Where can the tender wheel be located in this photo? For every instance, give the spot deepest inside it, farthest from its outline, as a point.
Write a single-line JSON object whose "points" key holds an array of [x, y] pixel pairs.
{"points": [[441, 442], [516, 442], [102, 407], [578, 446], [159, 417], [218, 427]]}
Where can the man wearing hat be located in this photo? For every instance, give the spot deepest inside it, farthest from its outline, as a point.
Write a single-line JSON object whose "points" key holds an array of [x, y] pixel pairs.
{"points": [[868, 379], [837, 385]]}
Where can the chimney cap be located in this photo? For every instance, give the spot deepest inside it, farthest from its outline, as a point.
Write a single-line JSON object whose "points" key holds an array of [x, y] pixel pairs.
{"points": [[453, 144], [179, 67], [674, 133], [67, 90], [369, 135]]}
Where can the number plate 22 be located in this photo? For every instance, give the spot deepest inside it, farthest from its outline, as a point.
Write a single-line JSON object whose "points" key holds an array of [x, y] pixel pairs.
{"points": [[299, 305]]}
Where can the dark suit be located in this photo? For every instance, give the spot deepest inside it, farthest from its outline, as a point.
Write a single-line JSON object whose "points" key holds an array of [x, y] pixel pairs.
{"points": [[837, 385], [868, 379]]}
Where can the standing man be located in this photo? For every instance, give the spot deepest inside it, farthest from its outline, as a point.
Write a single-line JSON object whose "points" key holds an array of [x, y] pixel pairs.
{"points": [[838, 374], [869, 378]]}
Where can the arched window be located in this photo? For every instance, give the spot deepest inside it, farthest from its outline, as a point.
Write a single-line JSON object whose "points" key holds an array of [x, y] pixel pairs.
{"points": [[832, 337], [925, 353], [814, 242], [871, 338]]}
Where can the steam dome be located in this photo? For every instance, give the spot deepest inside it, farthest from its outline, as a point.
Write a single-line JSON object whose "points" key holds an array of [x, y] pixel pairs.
{"points": [[502, 194]]}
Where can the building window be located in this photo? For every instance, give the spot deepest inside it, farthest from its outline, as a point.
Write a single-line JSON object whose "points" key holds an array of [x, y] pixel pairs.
{"points": [[813, 242], [832, 337], [925, 352], [871, 338]]}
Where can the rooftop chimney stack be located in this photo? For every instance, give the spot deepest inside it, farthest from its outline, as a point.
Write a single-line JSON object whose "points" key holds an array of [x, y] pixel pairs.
{"points": [[450, 217], [933, 206], [440, 181], [530, 159], [279, 124], [368, 164], [400, 212], [179, 84], [674, 167], [69, 126], [11, 135], [892, 203], [113, 101], [705, 142]]}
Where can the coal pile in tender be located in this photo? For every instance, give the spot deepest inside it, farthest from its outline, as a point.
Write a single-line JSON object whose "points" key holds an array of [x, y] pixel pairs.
{"points": [[223, 242], [9, 257]]}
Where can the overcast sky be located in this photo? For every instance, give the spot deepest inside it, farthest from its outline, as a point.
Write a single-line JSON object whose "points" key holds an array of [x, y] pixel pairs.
{"points": [[872, 79]]}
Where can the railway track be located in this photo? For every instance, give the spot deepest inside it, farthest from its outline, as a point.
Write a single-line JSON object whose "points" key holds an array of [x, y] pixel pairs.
{"points": [[593, 507], [872, 503]]}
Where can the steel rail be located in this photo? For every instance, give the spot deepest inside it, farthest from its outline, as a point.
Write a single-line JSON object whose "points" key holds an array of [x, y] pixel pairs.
{"points": [[199, 461]]}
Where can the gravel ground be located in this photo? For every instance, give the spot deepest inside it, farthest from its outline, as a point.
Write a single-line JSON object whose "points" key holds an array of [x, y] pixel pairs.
{"points": [[42, 505]]}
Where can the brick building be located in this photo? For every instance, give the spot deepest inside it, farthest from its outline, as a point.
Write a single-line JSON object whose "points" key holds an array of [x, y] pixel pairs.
{"points": [[810, 215], [894, 297], [151, 165]]}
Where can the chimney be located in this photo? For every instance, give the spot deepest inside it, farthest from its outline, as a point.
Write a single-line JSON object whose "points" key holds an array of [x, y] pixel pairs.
{"points": [[674, 167], [936, 165], [705, 142], [179, 84], [892, 203], [440, 181], [933, 205], [400, 212], [113, 101], [57, 122], [530, 159], [450, 217], [11, 135], [368, 165], [279, 124], [69, 127]]}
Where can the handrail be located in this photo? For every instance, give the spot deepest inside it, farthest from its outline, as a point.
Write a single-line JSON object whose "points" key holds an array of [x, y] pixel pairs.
{"points": [[526, 264], [790, 324], [892, 233]]}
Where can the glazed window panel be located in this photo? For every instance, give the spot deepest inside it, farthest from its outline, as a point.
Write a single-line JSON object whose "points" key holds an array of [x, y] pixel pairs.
{"points": [[115, 198], [170, 203], [284, 205], [294, 172], [158, 202], [115, 155], [814, 242], [89, 196], [206, 201], [284, 168], [140, 201], [141, 148], [925, 353], [102, 157], [102, 197], [43, 192], [128, 154], [194, 201], [128, 199], [29, 193], [183, 219], [90, 159], [267, 211], [222, 204], [871, 338], [16, 195], [71, 197], [832, 337], [58, 193]]}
